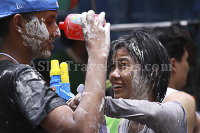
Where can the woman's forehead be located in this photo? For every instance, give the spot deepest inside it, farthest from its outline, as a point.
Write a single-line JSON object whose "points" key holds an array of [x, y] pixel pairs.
{"points": [[122, 54]]}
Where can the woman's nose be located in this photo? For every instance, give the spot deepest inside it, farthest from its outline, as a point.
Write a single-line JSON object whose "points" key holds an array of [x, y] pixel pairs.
{"points": [[114, 74]]}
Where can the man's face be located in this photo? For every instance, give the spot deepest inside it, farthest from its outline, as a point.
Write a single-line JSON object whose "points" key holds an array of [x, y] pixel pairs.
{"points": [[40, 32], [125, 77], [182, 71]]}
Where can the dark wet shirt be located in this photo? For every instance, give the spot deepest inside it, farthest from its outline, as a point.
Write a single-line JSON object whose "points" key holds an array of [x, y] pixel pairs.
{"points": [[25, 99]]}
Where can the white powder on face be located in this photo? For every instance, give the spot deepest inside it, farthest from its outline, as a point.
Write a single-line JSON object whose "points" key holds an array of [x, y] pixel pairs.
{"points": [[46, 53], [57, 32], [140, 86], [34, 28], [36, 34]]}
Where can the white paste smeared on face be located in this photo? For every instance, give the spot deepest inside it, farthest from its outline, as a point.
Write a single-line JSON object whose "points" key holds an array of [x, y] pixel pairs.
{"points": [[37, 37]]}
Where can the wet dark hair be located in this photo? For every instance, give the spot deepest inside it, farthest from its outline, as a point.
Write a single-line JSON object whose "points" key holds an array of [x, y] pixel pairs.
{"points": [[145, 50], [174, 39], [5, 22]]}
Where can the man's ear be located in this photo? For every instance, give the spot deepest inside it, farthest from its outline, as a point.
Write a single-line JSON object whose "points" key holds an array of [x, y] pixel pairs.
{"points": [[17, 22], [173, 62]]}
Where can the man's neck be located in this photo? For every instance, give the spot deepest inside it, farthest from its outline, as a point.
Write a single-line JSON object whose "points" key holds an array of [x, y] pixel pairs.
{"points": [[16, 51], [172, 84]]}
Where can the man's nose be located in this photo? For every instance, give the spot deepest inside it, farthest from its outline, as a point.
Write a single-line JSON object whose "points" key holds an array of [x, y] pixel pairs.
{"points": [[56, 32]]}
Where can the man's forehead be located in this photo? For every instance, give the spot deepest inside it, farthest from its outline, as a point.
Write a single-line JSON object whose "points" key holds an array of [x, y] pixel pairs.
{"points": [[47, 14]]}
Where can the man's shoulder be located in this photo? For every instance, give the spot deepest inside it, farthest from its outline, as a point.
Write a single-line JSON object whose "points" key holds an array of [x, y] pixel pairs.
{"points": [[8, 67], [185, 99], [180, 95], [174, 94]]}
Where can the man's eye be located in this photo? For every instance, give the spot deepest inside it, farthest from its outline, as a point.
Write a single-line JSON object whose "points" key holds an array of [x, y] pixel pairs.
{"points": [[50, 22]]}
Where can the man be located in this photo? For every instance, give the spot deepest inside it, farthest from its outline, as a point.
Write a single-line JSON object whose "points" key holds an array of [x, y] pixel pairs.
{"points": [[28, 28], [175, 39]]}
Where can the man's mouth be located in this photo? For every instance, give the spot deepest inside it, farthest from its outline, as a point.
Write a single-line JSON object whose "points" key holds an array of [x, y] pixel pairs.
{"points": [[51, 40]]}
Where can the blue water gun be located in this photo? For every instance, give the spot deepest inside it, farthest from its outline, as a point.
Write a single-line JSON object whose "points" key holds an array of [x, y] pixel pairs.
{"points": [[60, 80]]}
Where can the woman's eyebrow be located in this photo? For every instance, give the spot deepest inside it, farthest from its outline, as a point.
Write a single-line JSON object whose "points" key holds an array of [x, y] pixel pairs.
{"points": [[124, 59]]}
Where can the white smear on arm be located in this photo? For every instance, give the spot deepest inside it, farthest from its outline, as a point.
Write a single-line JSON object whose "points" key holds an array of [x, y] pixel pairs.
{"points": [[102, 104], [107, 33]]}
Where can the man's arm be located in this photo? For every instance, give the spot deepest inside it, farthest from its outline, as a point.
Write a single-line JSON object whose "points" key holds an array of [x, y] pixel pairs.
{"points": [[188, 102], [88, 116], [167, 117]]}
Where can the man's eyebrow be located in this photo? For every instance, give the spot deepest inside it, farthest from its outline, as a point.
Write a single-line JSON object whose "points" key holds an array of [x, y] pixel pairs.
{"points": [[51, 16]]}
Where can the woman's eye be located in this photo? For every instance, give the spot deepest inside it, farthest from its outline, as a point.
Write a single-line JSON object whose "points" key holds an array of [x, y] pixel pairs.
{"points": [[124, 65]]}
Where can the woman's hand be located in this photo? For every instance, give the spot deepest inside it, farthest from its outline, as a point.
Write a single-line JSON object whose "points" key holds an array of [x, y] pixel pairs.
{"points": [[73, 102]]}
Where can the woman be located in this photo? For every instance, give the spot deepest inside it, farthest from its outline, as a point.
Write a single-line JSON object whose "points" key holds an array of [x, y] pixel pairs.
{"points": [[138, 68], [139, 71]]}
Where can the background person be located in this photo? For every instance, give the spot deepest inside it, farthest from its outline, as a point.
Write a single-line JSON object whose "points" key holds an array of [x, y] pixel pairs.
{"points": [[177, 40]]}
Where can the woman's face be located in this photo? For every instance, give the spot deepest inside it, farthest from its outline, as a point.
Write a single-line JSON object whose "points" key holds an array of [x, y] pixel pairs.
{"points": [[126, 80], [123, 74]]}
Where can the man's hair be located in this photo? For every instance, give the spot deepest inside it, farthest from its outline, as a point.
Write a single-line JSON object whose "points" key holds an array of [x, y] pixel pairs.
{"points": [[174, 39], [5, 22], [146, 51]]}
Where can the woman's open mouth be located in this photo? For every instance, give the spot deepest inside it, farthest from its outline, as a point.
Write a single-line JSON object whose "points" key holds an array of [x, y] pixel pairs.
{"points": [[117, 87]]}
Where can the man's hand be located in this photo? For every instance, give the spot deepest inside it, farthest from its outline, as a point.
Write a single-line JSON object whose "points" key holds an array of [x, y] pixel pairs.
{"points": [[97, 34]]}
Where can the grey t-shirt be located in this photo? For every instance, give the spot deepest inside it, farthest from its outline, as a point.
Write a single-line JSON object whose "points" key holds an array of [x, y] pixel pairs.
{"points": [[169, 117]]}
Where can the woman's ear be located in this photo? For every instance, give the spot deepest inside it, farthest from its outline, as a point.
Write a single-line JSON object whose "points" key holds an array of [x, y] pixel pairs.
{"points": [[17, 22]]}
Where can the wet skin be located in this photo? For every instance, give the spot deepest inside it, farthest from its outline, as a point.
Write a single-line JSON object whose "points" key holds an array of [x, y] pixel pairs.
{"points": [[182, 68], [44, 24], [126, 79], [121, 74]]}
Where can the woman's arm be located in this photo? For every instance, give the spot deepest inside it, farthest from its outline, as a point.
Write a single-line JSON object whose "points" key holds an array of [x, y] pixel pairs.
{"points": [[167, 117]]}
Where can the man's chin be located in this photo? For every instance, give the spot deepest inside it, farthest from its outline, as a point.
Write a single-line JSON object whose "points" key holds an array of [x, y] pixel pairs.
{"points": [[46, 54]]}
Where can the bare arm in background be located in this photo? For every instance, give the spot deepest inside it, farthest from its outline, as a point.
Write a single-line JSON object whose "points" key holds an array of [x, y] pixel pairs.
{"points": [[167, 117], [88, 116], [197, 126], [189, 104]]}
